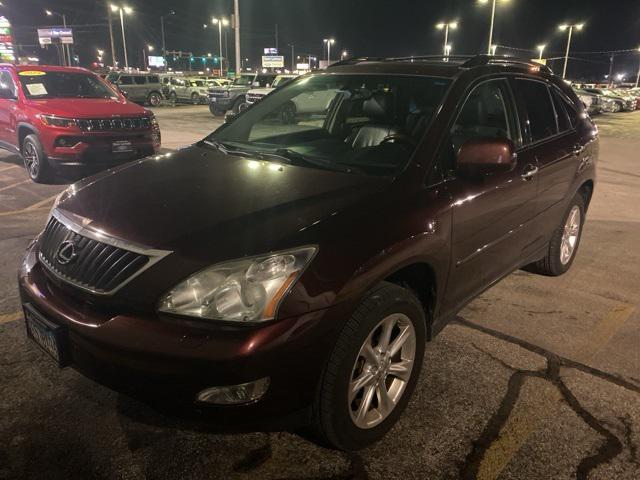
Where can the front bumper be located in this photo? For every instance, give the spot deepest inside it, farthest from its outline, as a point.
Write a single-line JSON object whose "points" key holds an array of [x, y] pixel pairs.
{"points": [[167, 361], [221, 103]]}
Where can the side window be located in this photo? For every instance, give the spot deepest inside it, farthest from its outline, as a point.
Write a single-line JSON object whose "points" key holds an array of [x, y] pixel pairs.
{"points": [[154, 79], [125, 80], [140, 80], [570, 108], [564, 124], [537, 101], [485, 114], [6, 81]]}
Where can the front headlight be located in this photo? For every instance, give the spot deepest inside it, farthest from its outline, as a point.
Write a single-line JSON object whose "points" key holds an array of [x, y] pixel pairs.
{"points": [[247, 290], [55, 121]]}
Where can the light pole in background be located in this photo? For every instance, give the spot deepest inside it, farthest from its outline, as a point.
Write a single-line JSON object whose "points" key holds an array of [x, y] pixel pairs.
{"points": [[236, 26], [328, 42], [164, 46], [569, 28], [66, 53], [220, 22], [493, 50], [122, 10], [541, 50], [446, 26], [638, 77], [493, 18]]}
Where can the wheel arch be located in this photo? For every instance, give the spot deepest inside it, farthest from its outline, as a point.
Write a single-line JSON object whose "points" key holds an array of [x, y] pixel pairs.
{"points": [[25, 129], [586, 191]]}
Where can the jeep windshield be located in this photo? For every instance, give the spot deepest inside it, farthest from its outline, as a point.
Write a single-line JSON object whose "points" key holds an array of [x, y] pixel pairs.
{"points": [[367, 124], [50, 84], [243, 81]]}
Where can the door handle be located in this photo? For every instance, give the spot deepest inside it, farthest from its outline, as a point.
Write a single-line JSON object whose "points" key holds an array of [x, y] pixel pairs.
{"points": [[578, 149], [530, 171]]}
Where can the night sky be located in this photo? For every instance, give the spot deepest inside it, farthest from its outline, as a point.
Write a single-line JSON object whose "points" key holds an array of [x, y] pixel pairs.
{"points": [[362, 27]]}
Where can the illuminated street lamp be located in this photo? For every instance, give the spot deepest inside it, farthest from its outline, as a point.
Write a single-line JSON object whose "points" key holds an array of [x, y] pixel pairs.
{"points": [[493, 17], [446, 26], [569, 28], [328, 42], [122, 10], [494, 48], [541, 50], [65, 48], [344, 55], [220, 22], [100, 54]]}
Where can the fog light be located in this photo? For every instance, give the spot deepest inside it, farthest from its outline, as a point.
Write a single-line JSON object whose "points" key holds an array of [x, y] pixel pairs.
{"points": [[235, 394]]}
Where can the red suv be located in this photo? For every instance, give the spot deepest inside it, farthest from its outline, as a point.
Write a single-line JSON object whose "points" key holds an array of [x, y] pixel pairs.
{"points": [[68, 117]]}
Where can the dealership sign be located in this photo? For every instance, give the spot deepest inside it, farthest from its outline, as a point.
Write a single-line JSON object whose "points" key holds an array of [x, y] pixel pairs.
{"points": [[6, 41], [156, 61], [272, 61], [47, 36]]}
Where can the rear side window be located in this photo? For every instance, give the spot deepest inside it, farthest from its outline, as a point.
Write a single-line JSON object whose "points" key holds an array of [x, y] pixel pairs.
{"points": [[569, 107], [6, 81], [140, 80], [125, 80], [537, 101], [154, 79]]}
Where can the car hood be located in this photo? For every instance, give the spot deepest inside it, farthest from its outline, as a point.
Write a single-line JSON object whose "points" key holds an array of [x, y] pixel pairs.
{"points": [[204, 204], [87, 107], [261, 91]]}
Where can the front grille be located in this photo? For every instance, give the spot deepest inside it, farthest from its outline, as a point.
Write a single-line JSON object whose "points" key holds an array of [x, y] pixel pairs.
{"points": [[114, 124], [254, 97], [97, 267], [218, 94]]}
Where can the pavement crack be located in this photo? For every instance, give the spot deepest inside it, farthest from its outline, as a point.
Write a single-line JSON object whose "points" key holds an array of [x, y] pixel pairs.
{"points": [[610, 448]]}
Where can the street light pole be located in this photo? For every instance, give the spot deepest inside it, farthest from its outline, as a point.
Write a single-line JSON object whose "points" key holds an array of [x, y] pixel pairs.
{"points": [[66, 53], [236, 17], [578, 27], [541, 50], [493, 19], [220, 22], [446, 26], [124, 39], [328, 42], [113, 48]]}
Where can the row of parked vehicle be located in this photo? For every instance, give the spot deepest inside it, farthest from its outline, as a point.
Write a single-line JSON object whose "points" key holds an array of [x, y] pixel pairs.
{"points": [[153, 88], [606, 99]]}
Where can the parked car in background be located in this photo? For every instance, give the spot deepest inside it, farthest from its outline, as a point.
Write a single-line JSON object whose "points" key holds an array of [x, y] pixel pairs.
{"points": [[68, 118], [188, 90], [144, 88], [256, 94], [618, 103], [232, 96], [297, 270], [591, 101], [630, 101]]}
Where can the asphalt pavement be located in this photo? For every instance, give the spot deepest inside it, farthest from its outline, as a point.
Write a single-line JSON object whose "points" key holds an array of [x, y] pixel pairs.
{"points": [[539, 378]]}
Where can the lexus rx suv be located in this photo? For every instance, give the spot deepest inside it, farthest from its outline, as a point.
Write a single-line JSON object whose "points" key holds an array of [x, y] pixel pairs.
{"points": [[295, 270], [68, 118]]}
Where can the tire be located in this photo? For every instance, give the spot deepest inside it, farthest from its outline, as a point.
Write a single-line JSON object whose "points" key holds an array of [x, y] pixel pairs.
{"points": [[215, 112], [236, 105], [288, 113], [35, 160], [195, 98], [336, 419], [154, 99], [556, 262]]}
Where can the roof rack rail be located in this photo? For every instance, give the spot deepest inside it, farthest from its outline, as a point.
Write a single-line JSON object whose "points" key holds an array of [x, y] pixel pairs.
{"points": [[355, 60], [480, 60]]}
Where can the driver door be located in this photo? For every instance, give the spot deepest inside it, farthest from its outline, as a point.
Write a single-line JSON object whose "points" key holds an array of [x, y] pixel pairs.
{"points": [[492, 213]]}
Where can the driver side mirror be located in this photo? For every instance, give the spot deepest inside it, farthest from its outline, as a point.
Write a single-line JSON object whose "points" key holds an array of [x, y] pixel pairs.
{"points": [[484, 156], [7, 94]]}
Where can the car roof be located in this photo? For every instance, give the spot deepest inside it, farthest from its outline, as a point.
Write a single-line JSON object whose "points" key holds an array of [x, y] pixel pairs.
{"points": [[436, 65]]}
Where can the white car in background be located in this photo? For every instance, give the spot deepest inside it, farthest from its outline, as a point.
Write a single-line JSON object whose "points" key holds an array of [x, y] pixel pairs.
{"points": [[256, 94]]}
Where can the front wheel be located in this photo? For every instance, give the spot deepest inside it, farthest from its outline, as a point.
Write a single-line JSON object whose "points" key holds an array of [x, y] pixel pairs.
{"points": [[372, 370], [35, 160], [564, 242]]}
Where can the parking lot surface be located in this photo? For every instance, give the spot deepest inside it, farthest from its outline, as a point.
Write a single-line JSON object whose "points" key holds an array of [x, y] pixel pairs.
{"points": [[538, 378]]}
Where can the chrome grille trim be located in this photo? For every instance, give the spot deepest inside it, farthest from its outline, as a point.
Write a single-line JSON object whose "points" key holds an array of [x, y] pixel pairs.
{"points": [[105, 260], [254, 97], [110, 124]]}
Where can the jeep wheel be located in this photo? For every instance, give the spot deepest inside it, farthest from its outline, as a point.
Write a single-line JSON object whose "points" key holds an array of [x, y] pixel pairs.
{"points": [[236, 105], [564, 242], [215, 112], [35, 161], [173, 98], [372, 370], [154, 99]]}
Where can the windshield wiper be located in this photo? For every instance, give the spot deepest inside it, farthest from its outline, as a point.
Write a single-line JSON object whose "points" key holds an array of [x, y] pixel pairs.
{"points": [[297, 158]]}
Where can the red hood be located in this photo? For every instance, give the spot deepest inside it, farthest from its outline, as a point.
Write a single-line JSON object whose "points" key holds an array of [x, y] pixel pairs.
{"points": [[87, 107]]}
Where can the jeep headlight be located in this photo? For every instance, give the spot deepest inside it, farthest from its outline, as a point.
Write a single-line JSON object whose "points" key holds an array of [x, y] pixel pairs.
{"points": [[247, 290]]}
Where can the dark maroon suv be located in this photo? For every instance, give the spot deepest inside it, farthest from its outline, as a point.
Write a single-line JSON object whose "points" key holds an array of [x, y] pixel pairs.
{"points": [[293, 265]]}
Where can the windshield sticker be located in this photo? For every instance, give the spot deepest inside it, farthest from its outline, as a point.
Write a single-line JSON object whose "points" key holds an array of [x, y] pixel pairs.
{"points": [[36, 89], [32, 73]]}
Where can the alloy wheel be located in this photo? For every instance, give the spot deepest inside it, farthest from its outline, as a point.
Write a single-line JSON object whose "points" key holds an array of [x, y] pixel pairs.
{"points": [[570, 235], [381, 371], [31, 159]]}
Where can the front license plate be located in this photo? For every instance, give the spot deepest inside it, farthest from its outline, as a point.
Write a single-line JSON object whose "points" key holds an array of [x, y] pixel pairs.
{"points": [[122, 146], [49, 336]]}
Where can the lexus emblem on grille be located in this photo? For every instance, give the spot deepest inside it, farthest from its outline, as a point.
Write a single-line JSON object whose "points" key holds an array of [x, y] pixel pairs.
{"points": [[66, 252]]}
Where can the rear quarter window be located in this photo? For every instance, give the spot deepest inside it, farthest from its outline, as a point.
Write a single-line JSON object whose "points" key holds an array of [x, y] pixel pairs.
{"points": [[140, 80], [536, 100]]}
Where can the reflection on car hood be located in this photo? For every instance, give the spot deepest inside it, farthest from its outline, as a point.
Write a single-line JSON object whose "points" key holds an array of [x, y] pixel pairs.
{"points": [[204, 202], [87, 107]]}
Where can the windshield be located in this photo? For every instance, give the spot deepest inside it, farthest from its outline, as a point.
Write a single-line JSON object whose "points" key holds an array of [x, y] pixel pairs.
{"points": [[244, 80], [43, 84], [366, 124]]}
